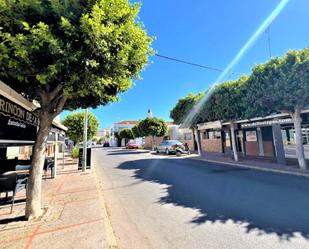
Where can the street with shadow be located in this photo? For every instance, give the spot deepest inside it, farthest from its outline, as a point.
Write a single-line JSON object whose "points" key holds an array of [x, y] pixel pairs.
{"points": [[262, 201]]}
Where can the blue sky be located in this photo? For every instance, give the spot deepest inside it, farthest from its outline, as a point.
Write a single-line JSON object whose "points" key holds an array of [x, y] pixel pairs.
{"points": [[207, 32]]}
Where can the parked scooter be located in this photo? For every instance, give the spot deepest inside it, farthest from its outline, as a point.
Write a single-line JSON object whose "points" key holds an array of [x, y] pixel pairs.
{"points": [[182, 150]]}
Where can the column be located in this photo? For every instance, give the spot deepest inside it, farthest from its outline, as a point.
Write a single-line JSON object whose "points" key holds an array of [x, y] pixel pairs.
{"points": [[260, 141], [278, 144]]}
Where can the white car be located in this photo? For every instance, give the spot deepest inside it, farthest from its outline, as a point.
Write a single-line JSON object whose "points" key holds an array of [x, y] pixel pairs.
{"points": [[168, 146]]}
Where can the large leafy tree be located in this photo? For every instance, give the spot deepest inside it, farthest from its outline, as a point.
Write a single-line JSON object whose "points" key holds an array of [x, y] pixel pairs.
{"points": [[126, 133], [75, 124], [282, 85], [136, 131], [226, 104], [153, 127], [68, 54], [184, 106]]}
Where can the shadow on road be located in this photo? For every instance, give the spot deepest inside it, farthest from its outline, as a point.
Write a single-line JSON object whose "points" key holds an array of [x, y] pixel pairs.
{"points": [[269, 202]]}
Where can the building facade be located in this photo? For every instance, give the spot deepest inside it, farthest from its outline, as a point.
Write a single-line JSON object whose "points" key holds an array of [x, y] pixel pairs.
{"points": [[271, 137]]}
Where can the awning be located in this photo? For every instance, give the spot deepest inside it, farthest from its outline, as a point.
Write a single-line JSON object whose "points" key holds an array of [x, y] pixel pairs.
{"points": [[216, 125]]}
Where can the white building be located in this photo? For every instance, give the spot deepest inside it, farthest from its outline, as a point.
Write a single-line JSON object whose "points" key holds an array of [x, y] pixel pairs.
{"points": [[116, 127]]}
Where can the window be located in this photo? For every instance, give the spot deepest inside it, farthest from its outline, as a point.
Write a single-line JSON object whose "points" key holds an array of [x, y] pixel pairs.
{"points": [[209, 134], [205, 135], [187, 136], [217, 134]]}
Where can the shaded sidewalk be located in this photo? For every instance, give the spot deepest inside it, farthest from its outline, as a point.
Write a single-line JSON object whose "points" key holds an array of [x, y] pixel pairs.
{"points": [[252, 163], [74, 214]]}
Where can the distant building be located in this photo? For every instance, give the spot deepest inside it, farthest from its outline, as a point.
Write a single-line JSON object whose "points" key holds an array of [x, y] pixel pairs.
{"points": [[118, 126], [105, 132]]}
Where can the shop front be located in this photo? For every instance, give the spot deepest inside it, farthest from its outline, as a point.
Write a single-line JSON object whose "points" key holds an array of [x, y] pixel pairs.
{"points": [[273, 136], [18, 128], [211, 137]]}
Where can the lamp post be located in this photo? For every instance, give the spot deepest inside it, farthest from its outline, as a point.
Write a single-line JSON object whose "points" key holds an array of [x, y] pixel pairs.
{"points": [[85, 141]]}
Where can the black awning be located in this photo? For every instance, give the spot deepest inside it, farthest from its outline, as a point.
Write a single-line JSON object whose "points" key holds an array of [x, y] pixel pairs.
{"points": [[18, 126]]}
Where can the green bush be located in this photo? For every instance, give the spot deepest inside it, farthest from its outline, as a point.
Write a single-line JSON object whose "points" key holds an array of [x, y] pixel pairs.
{"points": [[75, 152]]}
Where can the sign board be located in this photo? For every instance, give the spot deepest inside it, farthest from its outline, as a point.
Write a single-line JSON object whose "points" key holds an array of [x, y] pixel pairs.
{"points": [[251, 136], [267, 123], [17, 125], [80, 159], [210, 125]]}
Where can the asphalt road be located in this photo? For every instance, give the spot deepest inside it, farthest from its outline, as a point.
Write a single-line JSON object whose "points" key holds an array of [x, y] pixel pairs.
{"points": [[158, 201]]}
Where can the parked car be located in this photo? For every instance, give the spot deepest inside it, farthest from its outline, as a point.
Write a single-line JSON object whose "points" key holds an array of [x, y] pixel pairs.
{"points": [[168, 146], [132, 145]]}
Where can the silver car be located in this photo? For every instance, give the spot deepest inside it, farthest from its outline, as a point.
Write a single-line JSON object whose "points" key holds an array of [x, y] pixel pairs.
{"points": [[168, 146]]}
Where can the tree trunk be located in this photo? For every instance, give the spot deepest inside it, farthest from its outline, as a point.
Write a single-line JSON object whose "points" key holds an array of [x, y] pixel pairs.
{"points": [[234, 141], [299, 138], [33, 203], [153, 142], [198, 141]]}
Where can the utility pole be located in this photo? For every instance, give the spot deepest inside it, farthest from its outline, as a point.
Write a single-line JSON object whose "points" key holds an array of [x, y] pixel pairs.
{"points": [[85, 141]]}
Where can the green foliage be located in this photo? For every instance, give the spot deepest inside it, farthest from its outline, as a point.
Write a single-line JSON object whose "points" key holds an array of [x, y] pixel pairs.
{"points": [[136, 131], [75, 152], [101, 140], [280, 85], [75, 124], [184, 106], [152, 126], [226, 102], [81, 52], [126, 133], [117, 135]]}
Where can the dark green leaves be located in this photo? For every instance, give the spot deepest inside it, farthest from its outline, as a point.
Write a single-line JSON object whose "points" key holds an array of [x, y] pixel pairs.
{"points": [[75, 124], [152, 126]]}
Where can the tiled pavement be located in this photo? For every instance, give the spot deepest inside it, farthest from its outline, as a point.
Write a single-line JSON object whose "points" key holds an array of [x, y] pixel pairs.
{"points": [[74, 214], [257, 164]]}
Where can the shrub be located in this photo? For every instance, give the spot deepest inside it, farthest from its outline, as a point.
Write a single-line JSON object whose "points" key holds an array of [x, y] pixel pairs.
{"points": [[75, 152]]}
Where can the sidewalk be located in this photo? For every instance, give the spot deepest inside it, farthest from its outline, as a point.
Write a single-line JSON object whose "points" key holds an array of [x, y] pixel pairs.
{"points": [[264, 165], [74, 214]]}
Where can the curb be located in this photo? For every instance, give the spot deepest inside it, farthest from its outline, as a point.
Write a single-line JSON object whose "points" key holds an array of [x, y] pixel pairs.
{"points": [[110, 233], [281, 171]]}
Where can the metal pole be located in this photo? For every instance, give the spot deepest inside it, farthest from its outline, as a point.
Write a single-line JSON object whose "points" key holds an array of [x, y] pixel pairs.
{"points": [[63, 154], [85, 141], [54, 172]]}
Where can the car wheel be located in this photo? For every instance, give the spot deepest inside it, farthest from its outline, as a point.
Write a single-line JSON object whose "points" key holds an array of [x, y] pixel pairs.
{"points": [[178, 153], [167, 152], [157, 151]]}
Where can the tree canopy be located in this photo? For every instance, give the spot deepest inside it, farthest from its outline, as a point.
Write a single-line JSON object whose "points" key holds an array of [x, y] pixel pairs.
{"points": [[136, 131], [226, 102], [184, 106], [279, 85], [75, 124], [152, 126], [126, 133], [80, 53]]}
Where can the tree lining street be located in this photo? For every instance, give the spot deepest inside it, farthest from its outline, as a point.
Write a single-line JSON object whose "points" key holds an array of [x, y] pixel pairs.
{"points": [[185, 203]]}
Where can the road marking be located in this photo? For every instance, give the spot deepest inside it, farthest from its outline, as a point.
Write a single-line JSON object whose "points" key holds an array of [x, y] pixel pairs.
{"points": [[34, 233]]}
